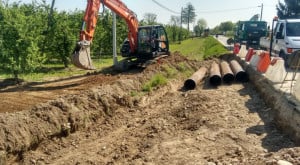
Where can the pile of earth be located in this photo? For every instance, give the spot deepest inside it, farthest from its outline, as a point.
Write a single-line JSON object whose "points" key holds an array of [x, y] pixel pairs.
{"points": [[108, 119]]}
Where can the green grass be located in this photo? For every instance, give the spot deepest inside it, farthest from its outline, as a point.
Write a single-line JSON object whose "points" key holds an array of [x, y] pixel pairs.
{"points": [[184, 69], [192, 48], [170, 72], [212, 48], [167, 73], [199, 48], [134, 93], [57, 71], [155, 81]]}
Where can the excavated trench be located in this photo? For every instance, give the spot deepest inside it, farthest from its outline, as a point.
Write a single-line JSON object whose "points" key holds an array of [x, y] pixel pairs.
{"points": [[117, 123]]}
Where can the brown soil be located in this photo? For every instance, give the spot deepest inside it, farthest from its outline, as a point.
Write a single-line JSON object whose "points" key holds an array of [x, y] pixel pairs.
{"points": [[106, 119]]}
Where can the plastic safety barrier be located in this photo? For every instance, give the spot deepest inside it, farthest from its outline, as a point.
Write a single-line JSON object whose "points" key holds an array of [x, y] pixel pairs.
{"points": [[249, 54], [255, 59], [236, 48], [264, 62], [243, 51], [296, 88], [276, 71]]}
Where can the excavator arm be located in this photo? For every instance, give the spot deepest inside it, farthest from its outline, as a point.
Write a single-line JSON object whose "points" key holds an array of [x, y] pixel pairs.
{"points": [[81, 56]]}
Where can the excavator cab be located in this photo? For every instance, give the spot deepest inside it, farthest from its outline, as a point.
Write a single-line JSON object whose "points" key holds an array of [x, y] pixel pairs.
{"points": [[152, 41]]}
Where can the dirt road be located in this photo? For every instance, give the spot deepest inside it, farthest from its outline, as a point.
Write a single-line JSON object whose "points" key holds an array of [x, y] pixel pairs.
{"points": [[113, 122]]}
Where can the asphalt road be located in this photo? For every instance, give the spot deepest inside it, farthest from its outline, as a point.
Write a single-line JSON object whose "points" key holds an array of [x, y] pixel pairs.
{"points": [[223, 39]]}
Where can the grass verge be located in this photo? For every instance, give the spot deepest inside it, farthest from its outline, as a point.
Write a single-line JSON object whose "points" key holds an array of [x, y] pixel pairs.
{"points": [[199, 48], [182, 70], [57, 71]]}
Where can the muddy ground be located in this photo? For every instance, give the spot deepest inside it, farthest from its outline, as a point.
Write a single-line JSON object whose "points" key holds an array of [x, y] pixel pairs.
{"points": [[107, 119]]}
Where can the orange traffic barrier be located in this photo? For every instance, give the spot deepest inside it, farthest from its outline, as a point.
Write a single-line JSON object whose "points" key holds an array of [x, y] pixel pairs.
{"points": [[264, 62], [249, 55], [236, 48]]}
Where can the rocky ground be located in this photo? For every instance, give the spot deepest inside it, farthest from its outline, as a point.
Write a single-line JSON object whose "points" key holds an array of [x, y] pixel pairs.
{"points": [[107, 119]]}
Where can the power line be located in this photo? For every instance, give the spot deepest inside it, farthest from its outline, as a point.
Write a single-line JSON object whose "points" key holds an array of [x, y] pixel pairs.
{"points": [[227, 10], [164, 7], [210, 11]]}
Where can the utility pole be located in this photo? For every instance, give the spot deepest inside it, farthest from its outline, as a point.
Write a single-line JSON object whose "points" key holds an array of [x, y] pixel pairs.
{"points": [[180, 34], [115, 58]]}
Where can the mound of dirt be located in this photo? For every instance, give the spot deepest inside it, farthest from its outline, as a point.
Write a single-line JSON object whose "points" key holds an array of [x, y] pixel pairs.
{"points": [[106, 119]]}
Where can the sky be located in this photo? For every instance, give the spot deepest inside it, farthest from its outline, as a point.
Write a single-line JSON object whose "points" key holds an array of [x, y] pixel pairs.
{"points": [[213, 11]]}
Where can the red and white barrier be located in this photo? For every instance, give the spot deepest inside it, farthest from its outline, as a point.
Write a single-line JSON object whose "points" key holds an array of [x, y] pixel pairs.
{"points": [[264, 62], [249, 54], [255, 59], [236, 48], [243, 51], [276, 71]]}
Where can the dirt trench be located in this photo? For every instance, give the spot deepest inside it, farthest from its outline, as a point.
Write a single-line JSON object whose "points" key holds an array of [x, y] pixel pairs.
{"points": [[115, 123]]}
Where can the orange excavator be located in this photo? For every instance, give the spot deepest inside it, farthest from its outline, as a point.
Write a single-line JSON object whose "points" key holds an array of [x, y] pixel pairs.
{"points": [[142, 43]]}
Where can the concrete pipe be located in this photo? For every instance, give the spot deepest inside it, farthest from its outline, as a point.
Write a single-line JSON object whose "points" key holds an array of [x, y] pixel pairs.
{"points": [[239, 73], [215, 74], [195, 79], [227, 74]]}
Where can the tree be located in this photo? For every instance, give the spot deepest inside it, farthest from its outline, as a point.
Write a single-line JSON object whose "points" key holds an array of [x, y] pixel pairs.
{"points": [[290, 9], [21, 26], [28, 40], [150, 18], [281, 8], [199, 28], [61, 38], [175, 24], [188, 15], [226, 26], [102, 42]]}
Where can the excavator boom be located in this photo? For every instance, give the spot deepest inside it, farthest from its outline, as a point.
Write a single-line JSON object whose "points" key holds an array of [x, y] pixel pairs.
{"points": [[81, 57]]}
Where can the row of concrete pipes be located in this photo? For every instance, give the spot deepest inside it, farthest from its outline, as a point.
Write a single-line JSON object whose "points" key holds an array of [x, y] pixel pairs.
{"points": [[226, 72]]}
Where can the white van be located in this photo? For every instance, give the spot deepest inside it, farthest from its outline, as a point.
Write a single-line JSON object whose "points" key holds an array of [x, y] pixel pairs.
{"points": [[286, 38]]}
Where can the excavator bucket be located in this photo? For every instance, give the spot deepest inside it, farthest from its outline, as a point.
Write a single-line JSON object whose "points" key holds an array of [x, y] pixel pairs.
{"points": [[81, 57]]}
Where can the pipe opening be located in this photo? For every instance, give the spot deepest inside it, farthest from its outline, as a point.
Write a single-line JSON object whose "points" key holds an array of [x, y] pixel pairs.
{"points": [[228, 78], [189, 84], [215, 80]]}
